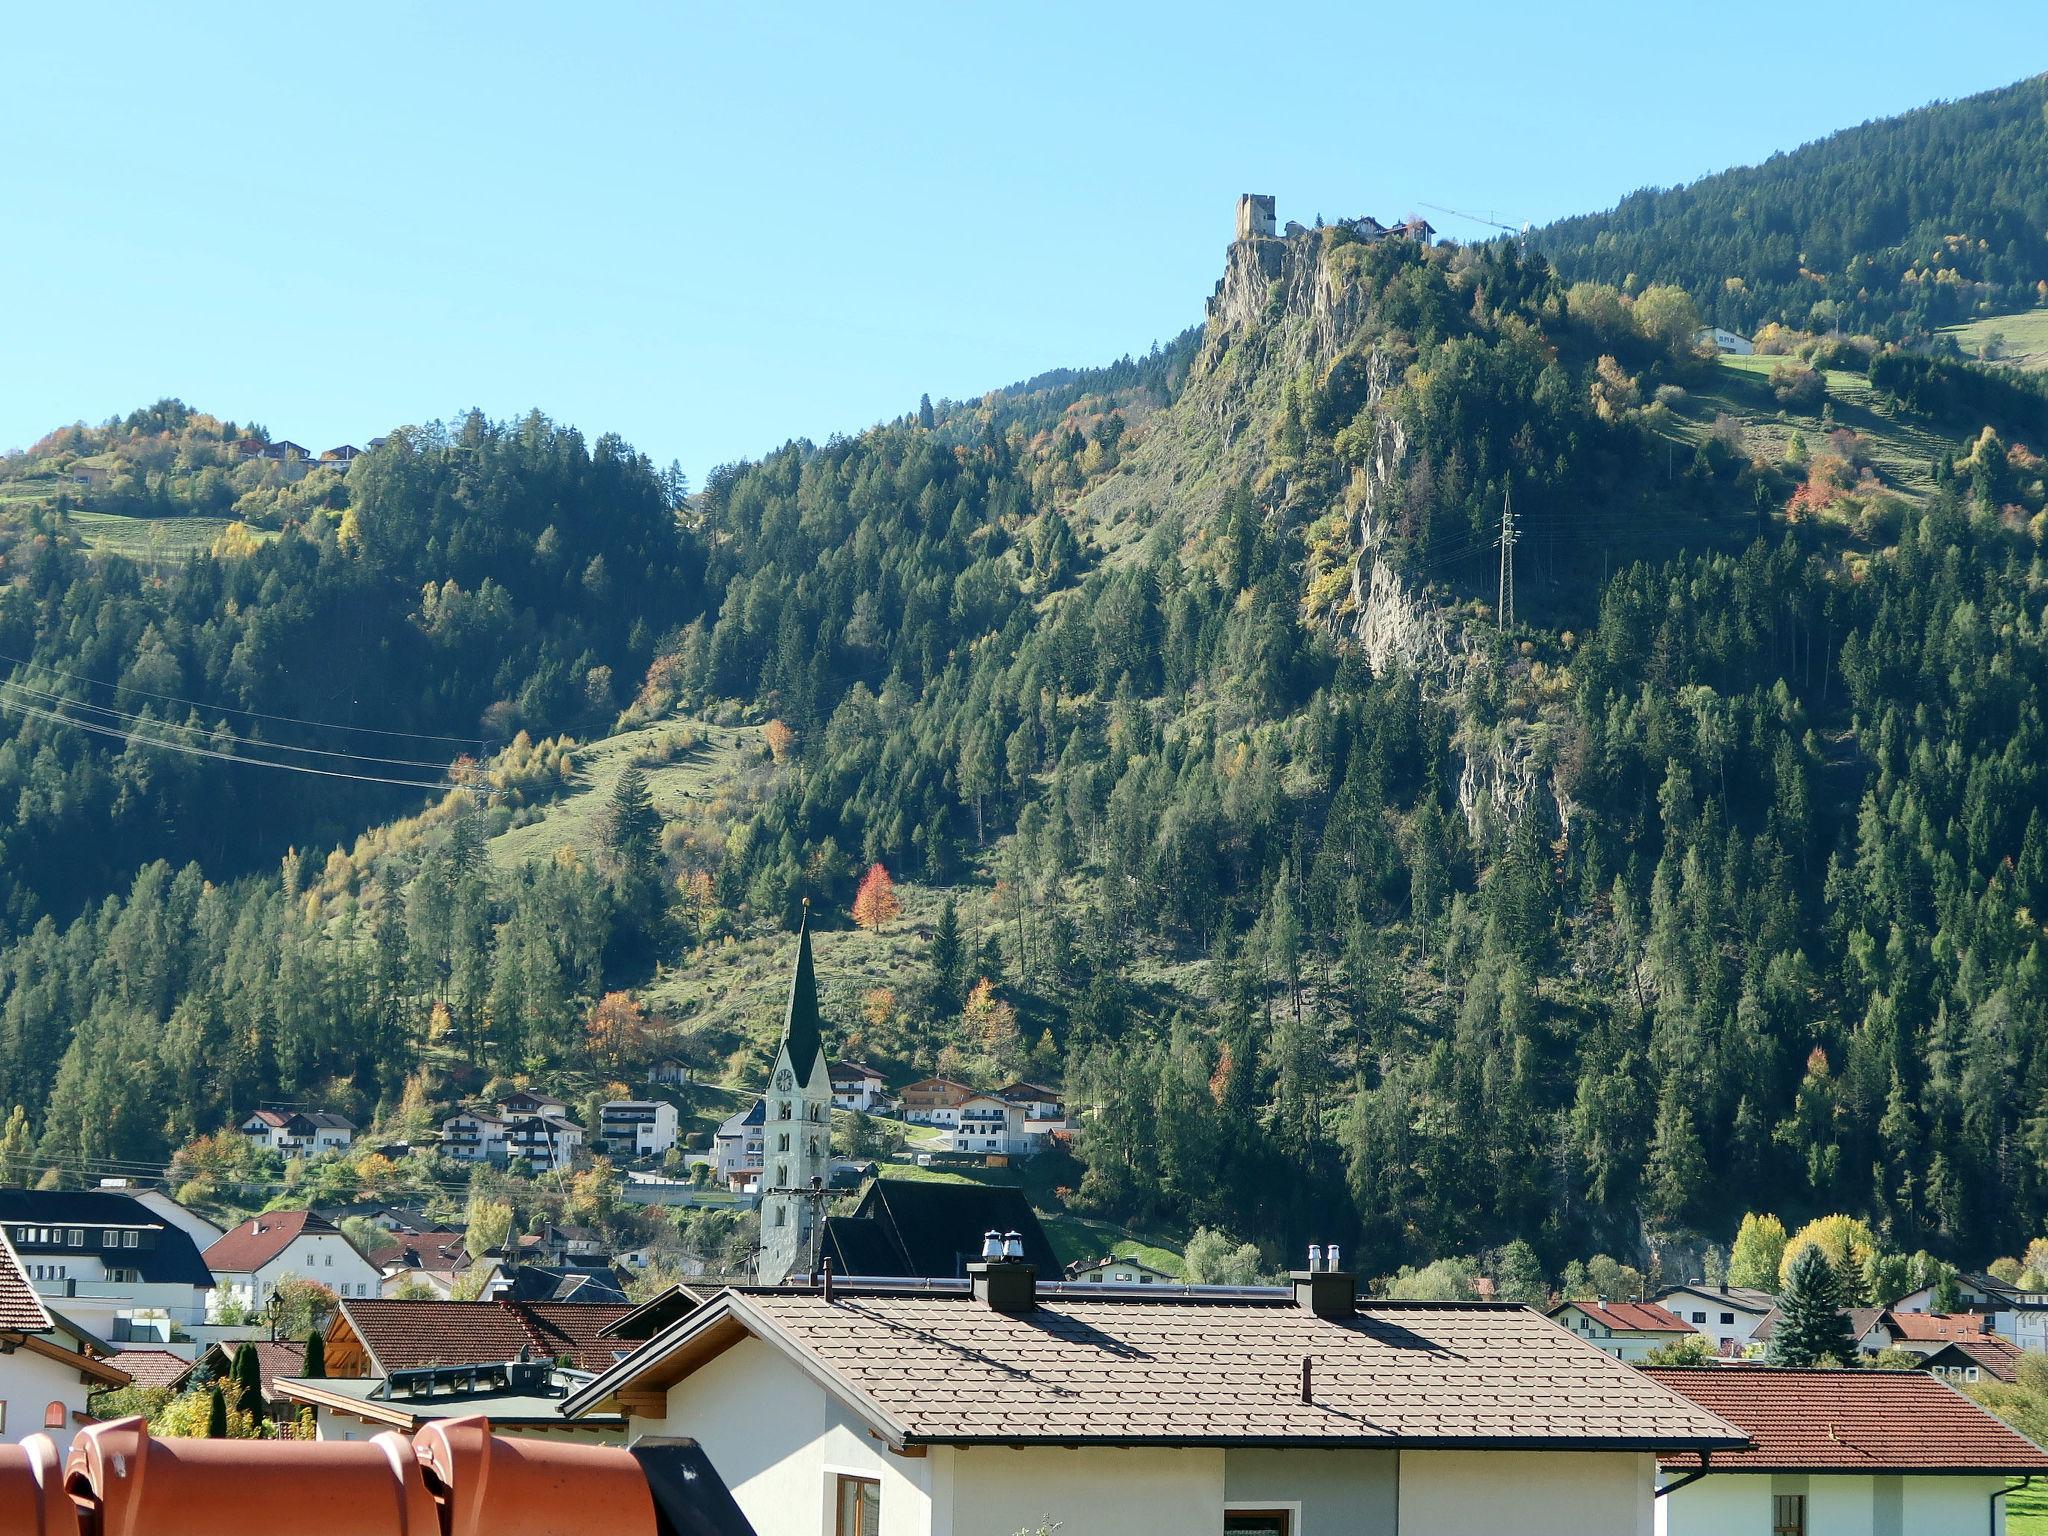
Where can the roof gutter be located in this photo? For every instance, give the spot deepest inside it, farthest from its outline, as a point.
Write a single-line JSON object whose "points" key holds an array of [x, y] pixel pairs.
{"points": [[1998, 1493], [1706, 1466]]}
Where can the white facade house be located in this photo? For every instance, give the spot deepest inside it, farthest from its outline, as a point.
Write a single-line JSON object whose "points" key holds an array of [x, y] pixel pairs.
{"points": [[1723, 341], [474, 1136], [46, 1369], [1840, 1453], [1727, 1314], [2021, 1316], [299, 1132], [532, 1102], [999, 1409], [547, 1142], [857, 1087], [987, 1124], [641, 1127], [108, 1259], [1112, 1270], [737, 1148], [934, 1101], [253, 1258], [1627, 1330]]}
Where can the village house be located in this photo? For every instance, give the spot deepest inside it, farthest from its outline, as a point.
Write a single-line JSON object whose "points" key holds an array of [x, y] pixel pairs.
{"points": [[1111, 1270], [2021, 1316], [637, 1127], [933, 1101], [474, 1136], [987, 1125], [438, 1261], [1839, 1453], [991, 1407], [1723, 341], [1865, 1325], [527, 1102], [1727, 1314], [1627, 1330], [400, 1364], [250, 1261], [1044, 1108], [299, 1133], [1985, 1357], [47, 1369], [111, 1261], [738, 1147], [1924, 1333], [158, 1204], [857, 1087], [547, 1143], [342, 456], [670, 1071]]}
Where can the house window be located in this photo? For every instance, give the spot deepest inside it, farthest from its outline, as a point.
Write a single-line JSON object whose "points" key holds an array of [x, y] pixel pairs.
{"points": [[858, 1503], [1727, 1319], [1699, 1317], [77, 1238], [1969, 1373], [110, 1239], [1258, 1522], [1788, 1514], [54, 1416], [130, 1239]]}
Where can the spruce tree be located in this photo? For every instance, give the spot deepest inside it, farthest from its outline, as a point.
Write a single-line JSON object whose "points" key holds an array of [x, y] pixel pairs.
{"points": [[316, 1356], [1811, 1329]]}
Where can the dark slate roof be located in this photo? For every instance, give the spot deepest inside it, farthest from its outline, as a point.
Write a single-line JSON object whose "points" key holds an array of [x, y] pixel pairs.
{"points": [[20, 1307], [174, 1260], [800, 1031], [932, 1230], [563, 1282]]}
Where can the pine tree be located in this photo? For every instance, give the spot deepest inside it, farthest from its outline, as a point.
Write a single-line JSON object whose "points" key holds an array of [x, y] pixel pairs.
{"points": [[947, 953], [925, 418], [1811, 1328], [315, 1367]]}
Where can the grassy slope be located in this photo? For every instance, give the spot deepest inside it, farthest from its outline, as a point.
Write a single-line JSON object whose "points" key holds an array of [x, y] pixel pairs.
{"points": [[2027, 1512], [2022, 338]]}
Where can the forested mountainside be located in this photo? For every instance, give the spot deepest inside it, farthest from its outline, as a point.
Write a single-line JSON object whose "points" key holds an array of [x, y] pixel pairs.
{"points": [[1344, 907], [1892, 228]]}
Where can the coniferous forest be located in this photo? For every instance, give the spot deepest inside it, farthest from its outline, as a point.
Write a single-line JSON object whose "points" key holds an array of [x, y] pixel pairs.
{"points": [[1349, 910]]}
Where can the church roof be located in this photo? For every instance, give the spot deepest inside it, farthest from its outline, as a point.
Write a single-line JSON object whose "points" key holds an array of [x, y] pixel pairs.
{"points": [[800, 1026]]}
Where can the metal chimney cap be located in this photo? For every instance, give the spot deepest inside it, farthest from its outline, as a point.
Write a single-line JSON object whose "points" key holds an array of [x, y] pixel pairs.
{"points": [[992, 1244], [1013, 1245]]}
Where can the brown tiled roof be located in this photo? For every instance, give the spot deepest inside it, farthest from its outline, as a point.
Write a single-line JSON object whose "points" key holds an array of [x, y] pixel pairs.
{"points": [[1860, 1321], [1848, 1421], [151, 1367], [1994, 1354], [247, 1248], [943, 1368], [20, 1306], [274, 1358], [402, 1335], [1633, 1316], [1937, 1327], [421, 1250]]}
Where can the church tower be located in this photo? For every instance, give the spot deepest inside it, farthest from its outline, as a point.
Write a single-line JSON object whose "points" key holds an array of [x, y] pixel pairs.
{"points": [[796, 1129]]}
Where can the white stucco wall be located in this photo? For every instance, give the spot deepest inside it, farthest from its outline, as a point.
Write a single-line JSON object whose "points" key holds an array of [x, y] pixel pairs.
{"points": [[1085, 1490], [1835, 1505], [1529, 1493], [29, 1383]]}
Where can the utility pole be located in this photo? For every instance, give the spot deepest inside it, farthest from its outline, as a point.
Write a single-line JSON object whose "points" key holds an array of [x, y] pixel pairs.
{"points": [[1504, 606]]}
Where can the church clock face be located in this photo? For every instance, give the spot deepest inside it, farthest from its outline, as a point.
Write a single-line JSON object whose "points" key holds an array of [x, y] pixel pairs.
{"points": [[785, 1079]]}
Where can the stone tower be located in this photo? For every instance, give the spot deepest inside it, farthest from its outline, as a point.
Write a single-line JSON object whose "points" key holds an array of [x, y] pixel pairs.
{"points": [[796, 1129], [1255, 216]]}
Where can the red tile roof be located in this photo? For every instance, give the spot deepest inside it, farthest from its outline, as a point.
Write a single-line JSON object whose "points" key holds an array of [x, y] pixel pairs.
{"points": [[404, 1335], [944, 1368], [1631, 1316], [151, 1367], [20, 1307], [1848, 1421], [245, 1249], [1992, 1353], [1937, 1327]]}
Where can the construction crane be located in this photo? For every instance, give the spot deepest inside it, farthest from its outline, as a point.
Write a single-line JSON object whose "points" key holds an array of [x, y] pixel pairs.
{"points": [[1519, 232]]}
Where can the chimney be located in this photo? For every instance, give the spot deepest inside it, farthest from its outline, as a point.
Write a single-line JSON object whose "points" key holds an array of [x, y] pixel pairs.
{"points": [[1002, 1281], [1329, 1292]]}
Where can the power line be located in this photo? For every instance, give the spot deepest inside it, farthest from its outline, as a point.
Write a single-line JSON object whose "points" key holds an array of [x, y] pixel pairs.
{"points": [[252, 714], [1504, 610], [132, 718], [190, 750]]}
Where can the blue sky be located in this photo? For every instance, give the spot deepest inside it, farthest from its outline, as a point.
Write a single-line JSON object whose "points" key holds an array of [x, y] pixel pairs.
{"points": [[714, 228]]}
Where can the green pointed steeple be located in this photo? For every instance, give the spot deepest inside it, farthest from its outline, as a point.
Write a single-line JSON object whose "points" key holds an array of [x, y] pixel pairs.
{"points": [[800, 1031]]}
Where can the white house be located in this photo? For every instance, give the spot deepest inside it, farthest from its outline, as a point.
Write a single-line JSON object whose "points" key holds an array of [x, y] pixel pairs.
{"points": [[157, 1203], [1723, 341], [108, 1259], [878, 1411], [1627, 1330], [474, 1136], [548, 1142], [857, 1087], [299, 1132], [641, 1127], [252, 1258], [1044, 1110], [525, 1102], [1727, 1314], [737, 1150], [46, 1370], [934, 1100], [2021, 1316], [1840, 1453], [984, 1123], [1111, 1270]]}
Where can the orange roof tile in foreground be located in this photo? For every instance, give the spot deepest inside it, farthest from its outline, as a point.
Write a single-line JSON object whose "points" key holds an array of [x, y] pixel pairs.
{"points": [[1848, 1421], [452, 1479]]}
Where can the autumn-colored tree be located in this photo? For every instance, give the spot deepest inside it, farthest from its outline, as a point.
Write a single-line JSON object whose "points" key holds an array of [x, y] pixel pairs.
{"points": [[875, 902], [780, 740], [991, 1022], [617, 1031]]}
